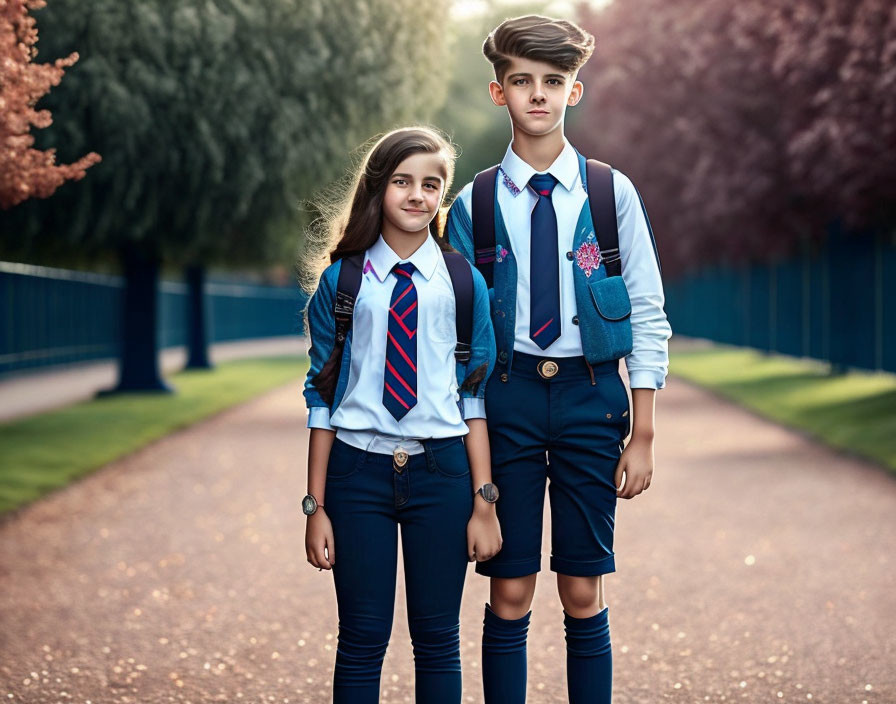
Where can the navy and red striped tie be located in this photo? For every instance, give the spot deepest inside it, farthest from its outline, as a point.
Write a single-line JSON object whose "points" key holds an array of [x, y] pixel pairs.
{"points": [[400, 377], [544, 265]]}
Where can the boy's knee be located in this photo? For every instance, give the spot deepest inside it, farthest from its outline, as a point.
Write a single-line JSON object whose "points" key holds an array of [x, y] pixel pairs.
{"points": [[581, 596], [512, 598]]}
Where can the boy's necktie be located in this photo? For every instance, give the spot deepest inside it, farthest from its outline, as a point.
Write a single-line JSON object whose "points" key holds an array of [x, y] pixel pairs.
{"points": [[400, 377], [544, 265]]}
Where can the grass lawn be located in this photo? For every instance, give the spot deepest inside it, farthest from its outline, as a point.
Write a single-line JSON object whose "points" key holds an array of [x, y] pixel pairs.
{"points": [[50, 450], [854, 411]]}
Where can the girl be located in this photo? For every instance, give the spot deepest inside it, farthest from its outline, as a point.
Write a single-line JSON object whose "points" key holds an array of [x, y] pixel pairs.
{"points": [[398, 433]]}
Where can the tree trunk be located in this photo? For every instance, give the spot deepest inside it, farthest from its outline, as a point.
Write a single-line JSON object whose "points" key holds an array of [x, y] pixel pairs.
{"points": [[138, 364], [197, 319]]}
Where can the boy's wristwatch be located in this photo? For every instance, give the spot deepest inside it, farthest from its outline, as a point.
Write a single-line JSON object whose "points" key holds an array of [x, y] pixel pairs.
{"points": [[488, 491], [309, 505]]}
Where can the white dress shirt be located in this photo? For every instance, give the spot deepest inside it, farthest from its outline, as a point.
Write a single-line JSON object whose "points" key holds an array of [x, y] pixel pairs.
{"points": [[361, 419], [648, 361]]}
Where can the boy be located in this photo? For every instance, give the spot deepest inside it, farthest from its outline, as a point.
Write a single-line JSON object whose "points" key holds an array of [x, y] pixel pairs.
{"points": [[556, 405]]}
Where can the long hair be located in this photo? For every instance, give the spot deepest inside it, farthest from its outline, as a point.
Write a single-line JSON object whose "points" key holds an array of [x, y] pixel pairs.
{"points": [[351, 223]]}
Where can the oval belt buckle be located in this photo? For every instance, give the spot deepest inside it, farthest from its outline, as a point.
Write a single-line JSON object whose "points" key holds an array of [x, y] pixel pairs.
{"points": [[399, 459], [547, 368]]}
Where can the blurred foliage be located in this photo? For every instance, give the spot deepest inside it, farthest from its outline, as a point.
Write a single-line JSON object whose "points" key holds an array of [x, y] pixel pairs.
{"points": [[480, 128], [748, 127], [26, 172], [217, 118]]}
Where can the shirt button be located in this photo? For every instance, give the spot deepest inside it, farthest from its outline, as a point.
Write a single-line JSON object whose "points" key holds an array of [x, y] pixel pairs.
{"points": [[569, 256], [575, 320], [500, 313], [504, 377], [498, 301], [502, 357]]}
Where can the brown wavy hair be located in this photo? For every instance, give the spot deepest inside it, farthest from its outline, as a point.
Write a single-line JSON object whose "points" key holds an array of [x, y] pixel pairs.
{"points": [[350, 223], [559, 43]]}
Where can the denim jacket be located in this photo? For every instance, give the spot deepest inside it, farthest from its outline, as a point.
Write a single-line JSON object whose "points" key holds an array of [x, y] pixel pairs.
{"points": [[471, 377], [596, 311]]}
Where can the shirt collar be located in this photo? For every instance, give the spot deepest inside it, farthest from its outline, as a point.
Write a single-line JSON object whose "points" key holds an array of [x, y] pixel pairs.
{"points": [[381, 259], [565, 168]]}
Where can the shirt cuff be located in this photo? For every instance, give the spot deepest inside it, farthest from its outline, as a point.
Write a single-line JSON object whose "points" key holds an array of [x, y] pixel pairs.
{"points": [[473, 407], [319, 417], [646, 379]]}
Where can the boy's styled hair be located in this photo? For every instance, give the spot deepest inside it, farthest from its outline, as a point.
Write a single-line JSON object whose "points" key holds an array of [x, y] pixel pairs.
{"points": [[557, 42]]}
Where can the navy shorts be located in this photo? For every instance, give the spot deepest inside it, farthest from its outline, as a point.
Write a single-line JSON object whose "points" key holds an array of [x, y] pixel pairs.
{"points": [[571, 432]]}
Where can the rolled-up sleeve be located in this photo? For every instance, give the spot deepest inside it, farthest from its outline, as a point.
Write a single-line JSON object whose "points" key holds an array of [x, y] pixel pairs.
{"points": [[473, 407], [319, 417], [648, 362]]}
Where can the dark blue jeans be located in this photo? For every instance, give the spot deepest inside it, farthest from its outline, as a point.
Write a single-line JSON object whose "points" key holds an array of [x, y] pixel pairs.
{"points": [[366, 500]]}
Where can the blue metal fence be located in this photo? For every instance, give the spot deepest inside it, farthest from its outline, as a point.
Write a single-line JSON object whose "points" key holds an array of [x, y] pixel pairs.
{"points": [[54, 316], [837, 304]]}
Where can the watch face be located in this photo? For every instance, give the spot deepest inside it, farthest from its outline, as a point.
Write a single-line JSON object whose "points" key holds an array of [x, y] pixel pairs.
{"points": [[309, 505], [489, 492]]}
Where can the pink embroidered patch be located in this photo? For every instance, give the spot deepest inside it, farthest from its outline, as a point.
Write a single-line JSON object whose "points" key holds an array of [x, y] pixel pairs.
{"points": [[588, 257], [511, 186]]}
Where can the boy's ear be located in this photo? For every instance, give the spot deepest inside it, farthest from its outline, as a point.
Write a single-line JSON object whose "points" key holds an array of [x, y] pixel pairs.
{"points": [[497, 92], [575, 95]]}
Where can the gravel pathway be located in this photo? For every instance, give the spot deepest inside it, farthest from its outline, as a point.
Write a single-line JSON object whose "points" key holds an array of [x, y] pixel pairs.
{"points": [[759, 567]]}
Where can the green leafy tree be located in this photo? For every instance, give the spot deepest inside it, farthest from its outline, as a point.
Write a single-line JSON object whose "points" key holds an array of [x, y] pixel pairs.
{"points": [[216, 119]]}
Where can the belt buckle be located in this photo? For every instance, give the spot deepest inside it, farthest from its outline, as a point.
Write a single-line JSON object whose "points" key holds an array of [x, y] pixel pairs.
{"points": [[399, 459], [547, 368]]}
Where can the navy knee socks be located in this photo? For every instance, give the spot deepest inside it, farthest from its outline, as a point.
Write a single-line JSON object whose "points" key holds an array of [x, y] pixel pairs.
{"points": [[504, 658], [589, 660]]}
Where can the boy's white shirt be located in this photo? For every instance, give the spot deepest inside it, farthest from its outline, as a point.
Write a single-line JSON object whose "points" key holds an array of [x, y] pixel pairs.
{"points": [[648, 362]]}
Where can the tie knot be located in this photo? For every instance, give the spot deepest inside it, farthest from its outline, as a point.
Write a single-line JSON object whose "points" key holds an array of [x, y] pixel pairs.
{"points": [[543, 184], [405, 269]]}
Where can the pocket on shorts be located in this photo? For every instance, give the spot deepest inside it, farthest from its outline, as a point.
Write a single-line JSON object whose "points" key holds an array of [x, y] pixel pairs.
{"points": [[450, 460], [345, 461], [611, 404]]}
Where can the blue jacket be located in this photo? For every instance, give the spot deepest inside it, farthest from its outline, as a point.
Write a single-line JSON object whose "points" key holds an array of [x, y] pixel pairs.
{"points": [[602, 303], [471, 377]]}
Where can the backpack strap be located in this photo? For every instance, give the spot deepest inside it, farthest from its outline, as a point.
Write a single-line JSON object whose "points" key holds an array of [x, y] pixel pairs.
{"points": [[347, 287], [483, 207], [602, 202], [462, 281]]}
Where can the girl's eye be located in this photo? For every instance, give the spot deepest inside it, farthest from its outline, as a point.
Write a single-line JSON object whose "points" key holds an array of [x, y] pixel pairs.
{"points": [[399, 181], [432, 186]]}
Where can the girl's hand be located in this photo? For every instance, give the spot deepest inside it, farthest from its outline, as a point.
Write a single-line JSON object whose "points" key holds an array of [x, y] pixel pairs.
{"points": [[319, 540], [483, 532], [636, 463]]}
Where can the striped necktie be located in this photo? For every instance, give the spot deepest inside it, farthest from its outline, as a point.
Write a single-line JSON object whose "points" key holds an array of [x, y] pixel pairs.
{"points": [[400, 377], [544, 265]]}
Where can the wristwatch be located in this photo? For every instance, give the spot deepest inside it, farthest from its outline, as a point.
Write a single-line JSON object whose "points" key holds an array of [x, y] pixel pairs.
{"points": [[309, 505], [488, 491]]}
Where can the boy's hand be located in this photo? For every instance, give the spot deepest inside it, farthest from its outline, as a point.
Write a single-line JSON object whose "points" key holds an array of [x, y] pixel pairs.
{"points": [[319, 540], [483, 532], [636, 463]]}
